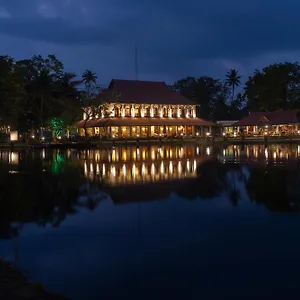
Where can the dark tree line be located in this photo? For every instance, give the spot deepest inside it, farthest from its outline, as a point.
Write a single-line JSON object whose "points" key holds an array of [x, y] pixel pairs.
{"points": [[37, 90], [274, 87]]}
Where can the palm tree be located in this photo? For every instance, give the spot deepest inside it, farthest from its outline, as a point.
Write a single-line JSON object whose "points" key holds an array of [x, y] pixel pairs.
{"points": [[89, 78], [233, 79]]}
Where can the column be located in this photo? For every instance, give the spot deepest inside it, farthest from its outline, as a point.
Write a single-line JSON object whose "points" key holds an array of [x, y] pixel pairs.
{"points": [[122, 111], [161, 111], [178, 111], [151, 111], [194, 112], [142, 111], [170, 111], [132, 111]]}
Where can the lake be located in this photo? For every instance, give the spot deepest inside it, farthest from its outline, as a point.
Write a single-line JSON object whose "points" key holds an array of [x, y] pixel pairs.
{"points": [[190, 222]]}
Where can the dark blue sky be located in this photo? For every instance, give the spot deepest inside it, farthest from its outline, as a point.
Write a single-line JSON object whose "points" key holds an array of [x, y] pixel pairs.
{"points": [[175, 38]]}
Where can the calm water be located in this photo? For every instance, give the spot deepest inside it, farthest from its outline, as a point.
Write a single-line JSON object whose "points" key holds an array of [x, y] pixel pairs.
{"points": [[161, 223]]}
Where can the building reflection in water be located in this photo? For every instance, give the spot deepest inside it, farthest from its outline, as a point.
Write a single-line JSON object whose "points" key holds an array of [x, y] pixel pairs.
{"points": [[127, 165], [270, 154]]}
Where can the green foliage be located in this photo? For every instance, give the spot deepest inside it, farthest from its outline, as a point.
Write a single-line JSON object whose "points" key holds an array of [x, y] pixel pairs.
{"points": [[210, 93], [274, 87], [57, 126], [35, 90]]}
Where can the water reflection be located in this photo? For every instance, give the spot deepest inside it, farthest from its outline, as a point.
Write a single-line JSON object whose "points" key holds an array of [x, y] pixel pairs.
{"points": [[47, 186], [270, 175], [141, 164]]}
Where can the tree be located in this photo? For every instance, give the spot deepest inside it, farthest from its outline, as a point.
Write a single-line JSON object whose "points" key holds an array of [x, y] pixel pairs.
{"points": [[233, 80], [210, 93], [11, 92], [42, 77], [89, 79], [274, 87]]}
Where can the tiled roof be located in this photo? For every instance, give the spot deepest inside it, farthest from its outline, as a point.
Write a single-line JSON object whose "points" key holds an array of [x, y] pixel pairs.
{"points": [[145, 92], [126, 121], [270, 118]]}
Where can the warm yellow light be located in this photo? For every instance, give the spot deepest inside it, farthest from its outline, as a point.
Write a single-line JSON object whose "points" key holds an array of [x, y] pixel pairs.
{"points": [[266, 153], [85, 168], [143, 169], [188, 165], [143, 128], [123, 129], [152, 169], [133, 170], [179, 167], [14, 136], [162, 168]]}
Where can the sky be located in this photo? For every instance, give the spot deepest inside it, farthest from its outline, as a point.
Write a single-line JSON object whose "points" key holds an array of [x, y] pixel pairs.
{"points": [[175, 39]]}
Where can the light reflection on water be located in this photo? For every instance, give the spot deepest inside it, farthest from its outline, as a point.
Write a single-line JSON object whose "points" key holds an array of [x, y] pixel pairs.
{"points": [[215, 206]]}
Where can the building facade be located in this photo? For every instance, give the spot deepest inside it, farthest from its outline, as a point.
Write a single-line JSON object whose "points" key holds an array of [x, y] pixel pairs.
{"points": [[144, 109], [276, 123]]}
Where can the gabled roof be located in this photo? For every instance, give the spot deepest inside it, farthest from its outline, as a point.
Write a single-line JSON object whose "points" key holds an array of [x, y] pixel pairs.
{"points": [[145, 92], [271, 118]]}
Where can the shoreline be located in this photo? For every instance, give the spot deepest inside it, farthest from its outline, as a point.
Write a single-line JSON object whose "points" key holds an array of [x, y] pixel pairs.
{"points": [[14, 285], [143, 142]]}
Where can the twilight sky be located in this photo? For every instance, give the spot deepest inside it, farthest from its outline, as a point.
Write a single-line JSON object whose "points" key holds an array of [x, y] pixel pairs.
{"points": [[175, 38]]}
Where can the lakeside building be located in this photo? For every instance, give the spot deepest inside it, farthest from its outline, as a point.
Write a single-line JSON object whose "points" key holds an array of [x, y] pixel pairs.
{"points": [[145, 109], [277, 123], [226, 127]]}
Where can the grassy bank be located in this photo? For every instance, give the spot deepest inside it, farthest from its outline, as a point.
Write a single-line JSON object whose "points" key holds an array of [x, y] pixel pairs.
{"points": [[14, 286]]}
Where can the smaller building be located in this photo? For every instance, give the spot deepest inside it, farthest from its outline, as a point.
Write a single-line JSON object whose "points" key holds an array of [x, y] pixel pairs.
{"points": [[227, 127], [277, 123]]}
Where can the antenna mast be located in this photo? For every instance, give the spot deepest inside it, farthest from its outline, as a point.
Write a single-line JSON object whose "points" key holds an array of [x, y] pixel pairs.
{"points": [[136, 63]]}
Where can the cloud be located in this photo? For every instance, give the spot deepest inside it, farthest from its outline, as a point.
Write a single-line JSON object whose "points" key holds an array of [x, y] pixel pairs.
{"points": [[174, 39], [4, 14]]}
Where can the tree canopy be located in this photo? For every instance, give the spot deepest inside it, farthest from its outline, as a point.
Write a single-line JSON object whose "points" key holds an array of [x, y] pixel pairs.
{"points": [[37, 90]]}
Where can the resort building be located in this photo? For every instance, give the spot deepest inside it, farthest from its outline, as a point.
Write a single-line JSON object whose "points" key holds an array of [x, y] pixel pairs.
{"points": [[226, 127], [144, 109], [277, 123]]}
